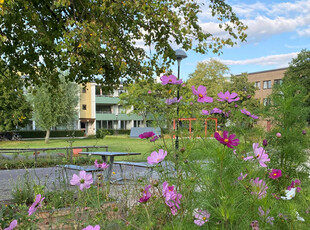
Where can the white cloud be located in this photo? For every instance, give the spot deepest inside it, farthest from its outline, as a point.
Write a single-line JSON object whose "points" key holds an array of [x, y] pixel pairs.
{"points": [[304, 32], [265, 20], [280, 60]]}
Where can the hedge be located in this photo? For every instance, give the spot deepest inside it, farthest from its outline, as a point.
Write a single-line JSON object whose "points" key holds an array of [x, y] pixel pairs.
{"points": [[54, 133]]}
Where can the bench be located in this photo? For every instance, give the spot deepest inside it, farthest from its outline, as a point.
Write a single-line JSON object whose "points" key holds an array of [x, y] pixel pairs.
{"points": [[135, 164], [91, 169]]}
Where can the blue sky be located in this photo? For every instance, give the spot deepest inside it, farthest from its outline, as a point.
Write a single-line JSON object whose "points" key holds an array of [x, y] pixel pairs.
{"points": [[278, 31]]}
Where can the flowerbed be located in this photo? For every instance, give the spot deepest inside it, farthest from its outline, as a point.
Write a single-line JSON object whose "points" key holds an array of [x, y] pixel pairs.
{"points": [[235, 183]]}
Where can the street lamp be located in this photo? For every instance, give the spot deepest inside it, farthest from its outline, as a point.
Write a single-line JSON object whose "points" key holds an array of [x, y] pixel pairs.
{"points": [[180, 54]]}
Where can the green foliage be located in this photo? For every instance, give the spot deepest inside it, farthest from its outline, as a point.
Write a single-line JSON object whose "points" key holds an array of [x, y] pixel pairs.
{"points": [[299, 70], [54, 133], [14, 108], [59, 199], [23, 192], [98, 38], [288, 113], [55, 105], [101, 133]]}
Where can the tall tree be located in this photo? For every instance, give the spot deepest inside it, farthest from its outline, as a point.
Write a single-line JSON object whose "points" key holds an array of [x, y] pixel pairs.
{"points": [[103, 40], [210, 74], [14, 108], [299, 70], [54, 106]]}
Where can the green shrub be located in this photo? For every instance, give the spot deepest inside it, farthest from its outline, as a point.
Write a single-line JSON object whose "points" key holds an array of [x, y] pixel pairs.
{"points": [[101, 133], [54, 133]]}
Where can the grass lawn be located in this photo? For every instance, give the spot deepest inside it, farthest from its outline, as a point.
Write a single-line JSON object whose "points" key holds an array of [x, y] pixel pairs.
{"points": [[115, 144]]}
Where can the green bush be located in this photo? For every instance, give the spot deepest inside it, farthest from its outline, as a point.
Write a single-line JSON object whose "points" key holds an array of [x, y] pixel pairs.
{"points": [[54, 133], [101, 133]]}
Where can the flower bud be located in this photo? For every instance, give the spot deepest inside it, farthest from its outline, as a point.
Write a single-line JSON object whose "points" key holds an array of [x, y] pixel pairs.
{"points": [[278, 135]]}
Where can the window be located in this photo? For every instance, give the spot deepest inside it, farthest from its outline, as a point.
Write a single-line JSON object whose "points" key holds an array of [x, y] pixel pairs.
{"points": [[267, 84], [266, 101], [278, 81], [84, 90], [83, 107], [103, 109], [257, 84], [98, 89]]}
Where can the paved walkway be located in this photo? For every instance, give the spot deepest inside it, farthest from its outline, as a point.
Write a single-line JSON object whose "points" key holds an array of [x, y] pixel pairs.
{"points": [[52, 177]]}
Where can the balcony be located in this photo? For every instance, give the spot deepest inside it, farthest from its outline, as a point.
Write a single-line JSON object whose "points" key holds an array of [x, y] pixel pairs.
{"points": [[120, 117], [107, 100]]}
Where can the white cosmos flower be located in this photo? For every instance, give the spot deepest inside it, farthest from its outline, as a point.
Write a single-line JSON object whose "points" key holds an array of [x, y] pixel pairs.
{"points": [[289, 194], [299, 217]]}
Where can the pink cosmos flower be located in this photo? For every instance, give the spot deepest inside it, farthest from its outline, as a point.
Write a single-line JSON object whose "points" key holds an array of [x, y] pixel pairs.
{"points": [[36, 204], [202, 216], [228, 97], [275, 174], [13, 224], [89, 227], [173, 100], [294, 185], [156, 157], [304, 132], [261, 212], [146, 135], [241, 177], [225, 140], [146, 194], [278, 135], [172, 198], [216, 110], [149, 92], [259, 154], [104, 165], [201, 92], [84, 180], [254, 225], [171, 79], [154, 138], [244, 111], [191, 103], [205, 112], [259, 187]]}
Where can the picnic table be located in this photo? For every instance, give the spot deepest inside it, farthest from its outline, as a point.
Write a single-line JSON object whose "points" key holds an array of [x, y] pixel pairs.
{"points": [[111, 156]]}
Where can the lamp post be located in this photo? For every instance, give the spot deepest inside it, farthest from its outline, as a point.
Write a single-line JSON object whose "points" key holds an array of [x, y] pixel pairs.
{"points": [[180, 54]]}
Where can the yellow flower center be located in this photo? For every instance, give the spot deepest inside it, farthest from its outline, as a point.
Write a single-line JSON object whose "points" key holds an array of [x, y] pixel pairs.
{"points": [[257, 156], [204, 218], [82, 181], [170, 80], [225, 140], [226, 97], [158, 159], [274, 174], [200, 95], [169, 91]]}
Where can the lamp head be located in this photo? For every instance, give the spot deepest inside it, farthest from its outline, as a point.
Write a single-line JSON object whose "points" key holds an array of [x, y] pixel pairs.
{"points": [[180, 54]]}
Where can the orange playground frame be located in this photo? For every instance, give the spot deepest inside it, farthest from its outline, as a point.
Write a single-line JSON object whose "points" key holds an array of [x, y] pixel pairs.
{"points": [[194, 119]]}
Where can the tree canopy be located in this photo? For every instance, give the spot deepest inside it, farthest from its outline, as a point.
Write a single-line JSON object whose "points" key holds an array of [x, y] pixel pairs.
{"points": [[106, 40], [299, 70], [54, 106], [15, 111]]}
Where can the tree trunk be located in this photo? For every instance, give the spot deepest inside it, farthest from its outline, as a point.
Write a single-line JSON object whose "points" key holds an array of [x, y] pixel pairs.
{"points": [[47, 136]]}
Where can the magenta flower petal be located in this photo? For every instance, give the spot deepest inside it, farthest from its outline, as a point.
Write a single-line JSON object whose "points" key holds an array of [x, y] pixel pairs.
{"points": [[89, 227], [13, 224], [227, 140], [83, 181], [156, 157], [201, 92], [228, 97], [146, 135]]}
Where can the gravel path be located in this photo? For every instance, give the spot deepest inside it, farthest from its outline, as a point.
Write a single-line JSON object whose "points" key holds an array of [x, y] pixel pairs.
{"points": [[53, 177]]}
